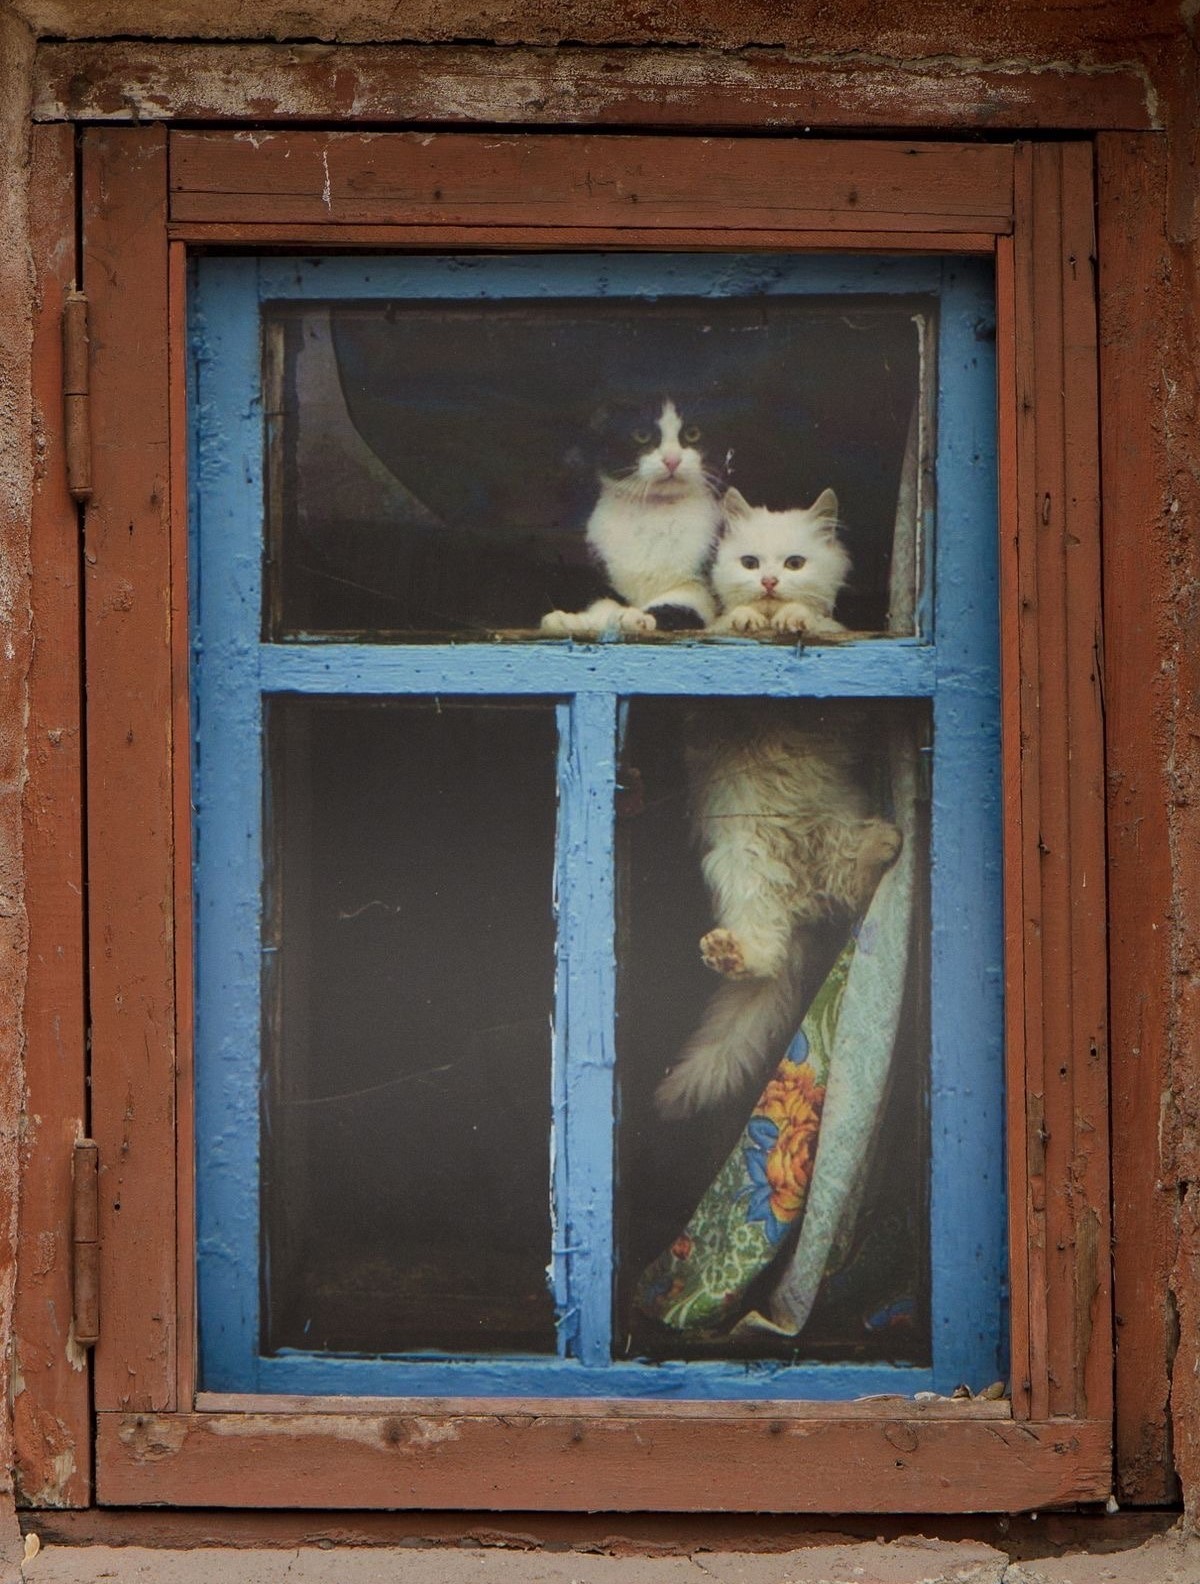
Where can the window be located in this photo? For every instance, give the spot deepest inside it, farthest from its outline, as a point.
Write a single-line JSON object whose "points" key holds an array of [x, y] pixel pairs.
{"points": [[340, 715], [457, 1171]]}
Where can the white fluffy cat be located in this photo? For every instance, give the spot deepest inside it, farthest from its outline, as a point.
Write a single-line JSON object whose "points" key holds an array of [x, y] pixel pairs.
{"points": [[652, 528], [779, 571], [788, 843]]}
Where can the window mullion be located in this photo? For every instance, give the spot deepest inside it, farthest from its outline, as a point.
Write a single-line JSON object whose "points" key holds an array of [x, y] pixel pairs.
{"points": [[584, 1044], [228, 792], [966, 1089]]}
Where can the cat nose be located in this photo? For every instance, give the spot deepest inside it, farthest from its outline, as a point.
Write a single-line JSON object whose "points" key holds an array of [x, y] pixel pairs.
{"points": [[671, 460], [770, 583]]}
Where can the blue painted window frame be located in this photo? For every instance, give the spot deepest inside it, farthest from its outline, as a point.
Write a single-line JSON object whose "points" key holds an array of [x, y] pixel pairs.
{"points": [[234, 671]]}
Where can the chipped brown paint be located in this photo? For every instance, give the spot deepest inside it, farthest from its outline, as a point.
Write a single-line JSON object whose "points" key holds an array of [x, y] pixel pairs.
{"points": [[16, 484], [931, 63], [654, 87]]}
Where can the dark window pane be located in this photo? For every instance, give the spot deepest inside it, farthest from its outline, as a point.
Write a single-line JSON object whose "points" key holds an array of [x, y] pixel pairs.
{"points": [[409, 991], [432, 464], [773, 893]]}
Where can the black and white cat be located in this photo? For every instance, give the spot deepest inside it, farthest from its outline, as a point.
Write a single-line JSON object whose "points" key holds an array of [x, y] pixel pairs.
{"points": [[653, 527]]}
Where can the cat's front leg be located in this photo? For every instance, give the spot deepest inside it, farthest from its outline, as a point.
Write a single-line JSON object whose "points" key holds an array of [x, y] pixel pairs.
{"points": [[798, 616], [742, 619], [604, 616]]}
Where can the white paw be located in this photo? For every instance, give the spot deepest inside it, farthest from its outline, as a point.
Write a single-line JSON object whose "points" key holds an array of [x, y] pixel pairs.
{"points": [[743, 619], [721, 951], [634, 620], [797, 617], [557, 623]]}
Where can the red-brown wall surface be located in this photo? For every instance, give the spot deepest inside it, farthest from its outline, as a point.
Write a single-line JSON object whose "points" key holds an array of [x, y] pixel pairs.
{"points": [[935, 62]]}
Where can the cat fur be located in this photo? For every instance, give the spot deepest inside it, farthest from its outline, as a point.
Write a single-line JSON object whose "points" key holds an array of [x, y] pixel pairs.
{"points": [[788, 843], [771, 594], [653, 529]]}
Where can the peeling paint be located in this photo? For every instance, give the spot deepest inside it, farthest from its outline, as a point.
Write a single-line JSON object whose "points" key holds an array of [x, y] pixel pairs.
{"points": [[77, 1357]]}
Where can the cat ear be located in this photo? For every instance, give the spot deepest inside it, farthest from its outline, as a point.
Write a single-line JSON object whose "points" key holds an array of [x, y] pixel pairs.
{"points": [[734, 504], [825, 507]]}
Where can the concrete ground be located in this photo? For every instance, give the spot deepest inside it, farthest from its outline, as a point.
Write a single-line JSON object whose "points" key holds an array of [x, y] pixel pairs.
{"points": [[1166, 1559]]}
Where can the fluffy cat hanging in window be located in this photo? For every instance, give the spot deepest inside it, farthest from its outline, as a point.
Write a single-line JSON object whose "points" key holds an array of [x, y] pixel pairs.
{"points": [[779, 811], [779, 571], [788, 843], [652, 529]]}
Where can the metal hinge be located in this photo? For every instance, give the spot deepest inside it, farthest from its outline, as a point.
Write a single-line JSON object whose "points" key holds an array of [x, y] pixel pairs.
{"points": [[85, 1242], [76, 395]]}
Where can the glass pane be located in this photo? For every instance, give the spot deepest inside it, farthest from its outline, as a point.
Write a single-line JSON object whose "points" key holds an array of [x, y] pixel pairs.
{"points": [[436, 467], [773, 1031], [408, 996]]}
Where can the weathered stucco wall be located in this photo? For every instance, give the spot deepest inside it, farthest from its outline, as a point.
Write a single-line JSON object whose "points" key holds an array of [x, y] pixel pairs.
{"points": [[962, 37], [16, 484]]}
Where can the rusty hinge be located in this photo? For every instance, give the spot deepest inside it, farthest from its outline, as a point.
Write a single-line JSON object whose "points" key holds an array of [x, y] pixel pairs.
{"points": [[85, 1240], [76, 397]]}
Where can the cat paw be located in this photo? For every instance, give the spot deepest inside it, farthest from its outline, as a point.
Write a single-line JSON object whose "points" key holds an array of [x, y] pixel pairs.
{"points": [[676, 618], [557, 624], [881, 844], [636, 621], [722, 952], [742, 619], [797, 617]]}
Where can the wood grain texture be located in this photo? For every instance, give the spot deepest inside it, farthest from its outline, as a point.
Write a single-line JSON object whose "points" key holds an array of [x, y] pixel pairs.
{"points": [[1087, 1201], [130, 855], [1061, 730], [590, 180], [140, 81], [1132, 184], [827, 238], [1028, 1125], [50, 1410], [1011, 772], [612, 1461], [182, 812]]}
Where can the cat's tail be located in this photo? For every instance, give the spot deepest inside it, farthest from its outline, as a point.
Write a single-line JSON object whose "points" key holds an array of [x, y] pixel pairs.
{"points": [[740, 1038]]}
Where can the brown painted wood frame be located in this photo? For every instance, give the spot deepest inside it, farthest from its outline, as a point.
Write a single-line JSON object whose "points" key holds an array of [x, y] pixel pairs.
{"points": [[1138, 504], [148, 194], [51, 1408]]}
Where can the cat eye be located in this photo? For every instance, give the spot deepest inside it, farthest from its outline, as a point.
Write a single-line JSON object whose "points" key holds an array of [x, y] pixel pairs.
{"points": [[794, 563], [690, 435], [642, 436], [750, 563]]}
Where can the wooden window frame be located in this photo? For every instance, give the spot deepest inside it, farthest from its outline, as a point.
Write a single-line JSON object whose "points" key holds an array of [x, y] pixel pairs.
{"points": [[147, 196]]}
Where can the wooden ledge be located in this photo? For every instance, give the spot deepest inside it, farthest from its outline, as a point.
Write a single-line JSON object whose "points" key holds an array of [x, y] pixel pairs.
{"points": [[771, 1459]]}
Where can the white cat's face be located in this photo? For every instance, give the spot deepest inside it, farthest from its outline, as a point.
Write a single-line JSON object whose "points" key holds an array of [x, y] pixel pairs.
{"points": [[663, 457], [785, 555]]}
